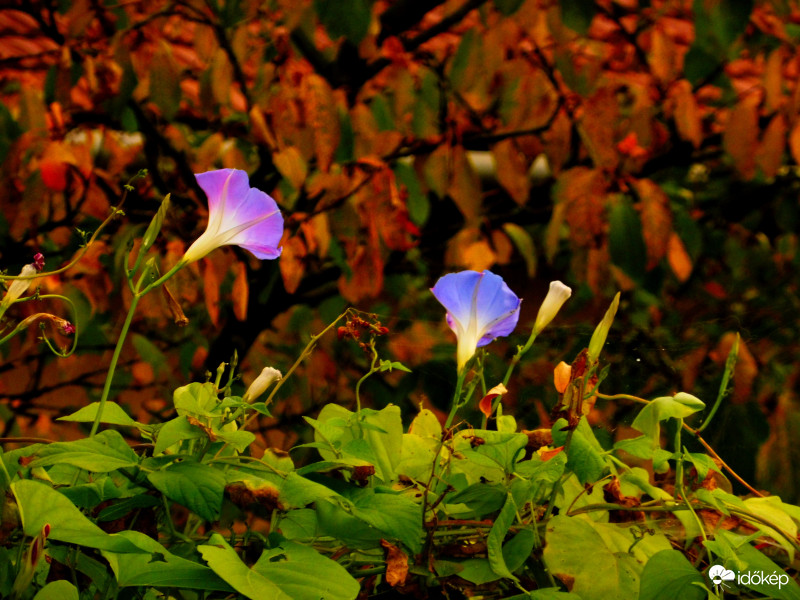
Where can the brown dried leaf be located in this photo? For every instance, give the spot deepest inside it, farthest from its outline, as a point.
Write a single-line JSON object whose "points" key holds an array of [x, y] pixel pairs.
{"points": [[512, 171], [396, 564], [322, 118], [583, 192], [597, 127]]}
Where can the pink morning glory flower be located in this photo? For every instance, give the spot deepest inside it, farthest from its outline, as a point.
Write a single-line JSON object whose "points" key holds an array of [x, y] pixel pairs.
{"points": [[237, 215], [480, 307]]}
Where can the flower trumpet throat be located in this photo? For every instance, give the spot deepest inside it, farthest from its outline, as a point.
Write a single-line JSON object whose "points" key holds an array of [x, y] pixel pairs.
{"points": [[238, 215], [480, 307]]}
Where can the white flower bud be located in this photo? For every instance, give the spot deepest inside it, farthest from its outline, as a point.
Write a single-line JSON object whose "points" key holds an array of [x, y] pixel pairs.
{"points": [[268, 376], [19, 286], [558, 294]]}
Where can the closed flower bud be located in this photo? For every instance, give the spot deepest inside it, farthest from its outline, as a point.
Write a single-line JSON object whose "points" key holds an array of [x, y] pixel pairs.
{"points": [[268, 376], [558, 294], [19, 286]]}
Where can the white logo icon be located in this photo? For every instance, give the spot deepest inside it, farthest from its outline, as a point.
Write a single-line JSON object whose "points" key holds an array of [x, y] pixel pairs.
{"points": [[719, 575]]}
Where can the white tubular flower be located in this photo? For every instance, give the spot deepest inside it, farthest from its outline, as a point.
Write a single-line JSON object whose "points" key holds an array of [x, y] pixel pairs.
{"points": [[558, 294], [268, 376], [19, 286]]}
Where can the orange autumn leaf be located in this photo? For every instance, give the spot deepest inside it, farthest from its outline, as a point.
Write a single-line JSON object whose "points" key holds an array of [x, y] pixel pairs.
{"points": [[240, 292], [686, 114], [794, 141], [485, 404], [292, 263], [562, 375], [678, 258], [769, 156], [741, 135]]}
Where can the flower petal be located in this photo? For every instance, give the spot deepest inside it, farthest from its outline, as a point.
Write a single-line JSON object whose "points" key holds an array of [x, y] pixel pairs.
{"points": [[480, 307], [237, 215], [225, 188]]}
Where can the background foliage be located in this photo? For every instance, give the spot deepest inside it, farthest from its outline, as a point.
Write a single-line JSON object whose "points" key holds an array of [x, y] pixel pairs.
{"points": [[645, 146]]}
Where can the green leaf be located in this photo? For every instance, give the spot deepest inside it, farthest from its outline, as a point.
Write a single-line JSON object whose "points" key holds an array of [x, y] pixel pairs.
{"points": [[748, 559], [147, 350], [39, 504], [123, 507], [497, 534], [224, 561], [349, 18], [586, 457], [479, 570], [480, 498], [165, 78], [154, 565], [302, 572], [196, 486], [380, 431], [240, 439], [57, 590], [113, 414], [419, 207], [388, 365], [299, 524], [616, 563], [174, 431], [626, 241], [508, 7], [107, 451], [196, 399], [667, 575], [503, 448], [679, 406], [523, 242], [578, 14]]}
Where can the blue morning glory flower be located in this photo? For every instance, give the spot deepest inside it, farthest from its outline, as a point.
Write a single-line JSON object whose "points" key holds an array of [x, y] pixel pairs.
{"points": [[480, 307]]}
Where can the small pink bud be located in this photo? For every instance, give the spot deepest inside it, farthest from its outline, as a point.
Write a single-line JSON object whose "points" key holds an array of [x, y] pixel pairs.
{"points": [[38, 261]]}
